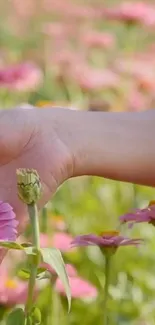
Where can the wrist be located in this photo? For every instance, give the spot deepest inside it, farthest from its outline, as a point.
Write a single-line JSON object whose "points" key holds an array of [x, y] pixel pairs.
{"points": [[112, 145]]}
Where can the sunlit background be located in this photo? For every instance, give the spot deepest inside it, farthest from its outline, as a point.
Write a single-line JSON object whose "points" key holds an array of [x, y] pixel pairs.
{"points": [[88, 55]]}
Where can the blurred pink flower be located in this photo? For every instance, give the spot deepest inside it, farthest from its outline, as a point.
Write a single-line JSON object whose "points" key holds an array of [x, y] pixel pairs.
{"points": [[98, 39], [146, 81], [133, 66], [140, 215], [134, 12], [58, 30], [23, 9], [8, 222], [62, 240], [141, 68], [12, 290], [70, 10], [106, 240], [149, 18], [21, 77], [94, 79], [136, 101], [80, 288], [59, 240], [71, 271]]}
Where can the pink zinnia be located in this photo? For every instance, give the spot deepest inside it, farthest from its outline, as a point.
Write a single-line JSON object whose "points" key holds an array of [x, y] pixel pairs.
{"points": [[80, 288], [8, 223], [106, 240], [21, 77], [129, 12], [90, 79], [12, 291], [98, 39], [140, 215], [70, 269], [59, 240]]}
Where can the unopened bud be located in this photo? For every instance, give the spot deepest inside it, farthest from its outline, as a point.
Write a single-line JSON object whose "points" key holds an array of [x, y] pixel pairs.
{"points": [[29, 185]]}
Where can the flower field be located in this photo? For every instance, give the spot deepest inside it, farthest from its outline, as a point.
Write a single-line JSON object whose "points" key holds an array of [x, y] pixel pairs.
{"points": [[84, 55]]}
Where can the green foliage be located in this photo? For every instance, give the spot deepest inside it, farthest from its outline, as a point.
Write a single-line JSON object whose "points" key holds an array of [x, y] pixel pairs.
{"points": [[53, 257], [16, 317], [24, 274], [11, 245], [88, 204], [36, 316]]}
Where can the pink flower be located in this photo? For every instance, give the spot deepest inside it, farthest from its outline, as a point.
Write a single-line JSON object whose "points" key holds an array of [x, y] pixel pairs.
{"points": [[62, 240], [106, 240], [135, 12], [70, 269], [12, 290], [98, 39], [58, 30], [23, 10], [80, 288], [140, 215], [21, 77], [8, 223], [136, 101], [90, 79], [59, 240]]}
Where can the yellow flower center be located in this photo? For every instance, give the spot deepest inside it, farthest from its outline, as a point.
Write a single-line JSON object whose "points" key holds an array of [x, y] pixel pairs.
{"points": [[45, 103], [110, 233], [152, 202], [10, 284]]}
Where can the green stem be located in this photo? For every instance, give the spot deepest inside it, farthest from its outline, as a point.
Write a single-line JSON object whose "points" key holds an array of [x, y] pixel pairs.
{"points": [[107, 280], [33, 214], [44, 219], [34, 261]]}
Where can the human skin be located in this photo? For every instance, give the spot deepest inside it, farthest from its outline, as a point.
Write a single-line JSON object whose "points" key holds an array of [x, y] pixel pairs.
{"points": [[61, 143]]}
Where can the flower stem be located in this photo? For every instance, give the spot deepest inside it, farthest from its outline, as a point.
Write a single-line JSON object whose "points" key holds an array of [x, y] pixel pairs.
{"points": [[107, 279], [44, 219], [33, 214], [34, 260]]}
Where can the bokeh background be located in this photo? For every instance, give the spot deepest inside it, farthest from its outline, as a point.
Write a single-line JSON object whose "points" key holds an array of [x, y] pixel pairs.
{"points": [[87, 55]]}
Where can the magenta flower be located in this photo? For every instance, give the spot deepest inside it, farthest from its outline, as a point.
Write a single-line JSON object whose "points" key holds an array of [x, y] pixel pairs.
{"points": [[80, 288], [8, 223], [140, 215], [21, 77], [106, 240]]}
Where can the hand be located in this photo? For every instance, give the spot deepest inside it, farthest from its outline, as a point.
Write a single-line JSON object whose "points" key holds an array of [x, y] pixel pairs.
{"points": [[60, 143], [32, 138]]}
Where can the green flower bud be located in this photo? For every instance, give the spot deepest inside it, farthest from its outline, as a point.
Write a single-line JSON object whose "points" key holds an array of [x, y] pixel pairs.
{"points": [[29, 185]]}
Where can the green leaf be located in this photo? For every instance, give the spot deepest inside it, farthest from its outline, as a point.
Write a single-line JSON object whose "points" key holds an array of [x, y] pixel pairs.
{"points": [[36, 315], [16, 317], [11, 244], [24, 274], [53, 257], [29, 250], [24, 245], [29, 321]]}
